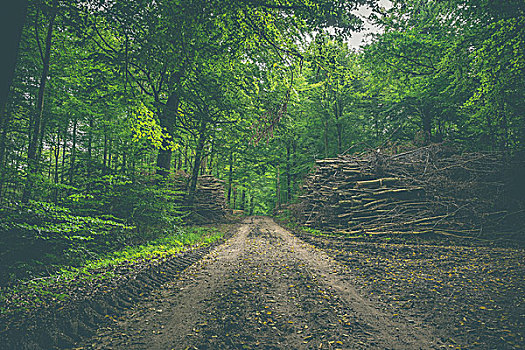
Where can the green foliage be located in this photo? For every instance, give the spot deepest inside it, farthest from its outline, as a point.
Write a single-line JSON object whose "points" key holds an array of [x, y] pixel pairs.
{"points": [[49, 289], [143, 203], [39, 236], [252, 92]]}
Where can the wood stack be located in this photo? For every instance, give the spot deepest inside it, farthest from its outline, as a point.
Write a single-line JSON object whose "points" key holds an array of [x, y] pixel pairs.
{"points": [[429, 189], [210, 202]]}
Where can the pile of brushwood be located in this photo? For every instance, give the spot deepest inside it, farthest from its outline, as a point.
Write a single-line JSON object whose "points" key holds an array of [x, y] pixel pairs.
{"points": [[209, 202], [431, 189]]}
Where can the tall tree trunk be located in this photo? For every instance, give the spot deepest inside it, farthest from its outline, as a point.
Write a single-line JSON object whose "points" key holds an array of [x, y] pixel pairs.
{"points": [[64, 152], [294, 163], [110, 152], [105, 153], [57, 161], [167, 119], [426, 124], [197, 162], [338, 114], [278, 188], [243, 199], [124, 159], [179, 159], [34, 141], [326, 138], [212, 156], [288, 175], [90, 146], [73, 153], [185, 156], [230, 177], [12, 26], [4, 125]]}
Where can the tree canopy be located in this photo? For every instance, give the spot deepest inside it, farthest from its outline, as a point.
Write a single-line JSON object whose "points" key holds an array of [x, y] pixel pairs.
{"points": [[250, 91]]}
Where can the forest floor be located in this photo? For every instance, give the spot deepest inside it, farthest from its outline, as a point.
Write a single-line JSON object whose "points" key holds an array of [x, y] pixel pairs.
{"points": [[267, 288]]}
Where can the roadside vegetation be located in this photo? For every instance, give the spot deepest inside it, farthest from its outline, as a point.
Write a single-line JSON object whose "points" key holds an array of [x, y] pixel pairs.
{"points": [[68, 276]]}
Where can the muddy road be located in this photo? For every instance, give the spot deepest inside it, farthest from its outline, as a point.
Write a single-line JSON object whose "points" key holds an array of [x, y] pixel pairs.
{"points": [[263, 289]]}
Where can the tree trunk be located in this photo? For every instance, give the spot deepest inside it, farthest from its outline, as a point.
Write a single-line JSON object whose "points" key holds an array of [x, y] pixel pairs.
{"points": [[34, 141], [167, 119], [426, 121], [4, 125], [57, 161], [105, 152], [64, 151], [73, 153], [197, 162], [185, 156], [278, 188], [12, 31], [326, 138], [288, 174], [230, 177], [110, 152], [90, 146], [294, 163], [338, 114]]}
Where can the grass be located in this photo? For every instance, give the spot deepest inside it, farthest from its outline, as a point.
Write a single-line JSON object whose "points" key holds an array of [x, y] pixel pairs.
{"points": [[55, 287]]}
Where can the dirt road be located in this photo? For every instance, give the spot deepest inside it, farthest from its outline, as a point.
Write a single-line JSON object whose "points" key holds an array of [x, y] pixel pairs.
{"points": [[263, 289]]}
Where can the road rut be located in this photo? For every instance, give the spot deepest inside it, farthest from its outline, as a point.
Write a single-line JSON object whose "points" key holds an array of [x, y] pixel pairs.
{"points": [[263, 289]]}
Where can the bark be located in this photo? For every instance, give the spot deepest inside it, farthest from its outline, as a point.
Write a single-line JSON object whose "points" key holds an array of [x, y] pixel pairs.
{"points": [[167, 119], [288, 175], [90, 144], [326, 138], [3, 136], [338, 114], [73, 153], [197, 162], [105, 152], [124, 161], [278, 188], [36, 124], [426, 120], [57, 161], [57, 156], [12, 33], [185, 156], [64, 151], [230, 177]]}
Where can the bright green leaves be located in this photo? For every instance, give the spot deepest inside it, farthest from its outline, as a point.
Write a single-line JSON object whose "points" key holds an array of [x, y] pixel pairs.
{"points": [[144, 126]]}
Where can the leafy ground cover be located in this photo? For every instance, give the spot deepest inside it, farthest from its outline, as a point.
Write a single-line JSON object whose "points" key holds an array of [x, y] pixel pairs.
{"points": [[60, 286], [58, 310], [472, 290]]}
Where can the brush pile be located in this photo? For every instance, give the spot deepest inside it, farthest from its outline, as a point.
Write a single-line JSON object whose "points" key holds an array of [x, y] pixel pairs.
{"points": [[209, 203], [430, 189]]}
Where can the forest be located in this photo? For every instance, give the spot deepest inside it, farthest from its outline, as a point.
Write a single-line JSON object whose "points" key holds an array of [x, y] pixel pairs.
{"points": [[132, 130]]}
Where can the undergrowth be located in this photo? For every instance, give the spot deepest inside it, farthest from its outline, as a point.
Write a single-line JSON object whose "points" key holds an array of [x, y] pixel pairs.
{"points": [[55, 288]]}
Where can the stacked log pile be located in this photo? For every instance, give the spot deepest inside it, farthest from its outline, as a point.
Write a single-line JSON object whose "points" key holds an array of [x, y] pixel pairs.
{"points": [[209, 202], [428, 189]]}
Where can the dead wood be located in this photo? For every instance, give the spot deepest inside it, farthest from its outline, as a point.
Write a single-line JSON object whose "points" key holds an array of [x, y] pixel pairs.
{"points": [[434, 188]]}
